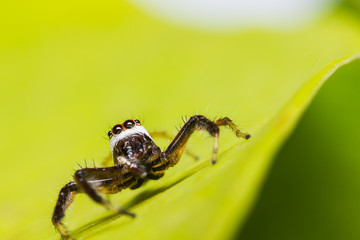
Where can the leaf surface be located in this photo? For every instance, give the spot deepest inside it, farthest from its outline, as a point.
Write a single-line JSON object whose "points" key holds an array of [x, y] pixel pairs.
{"points": [[68, 80]]}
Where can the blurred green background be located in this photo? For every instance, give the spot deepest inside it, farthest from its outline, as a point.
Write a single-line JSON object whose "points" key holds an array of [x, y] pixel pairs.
{"points": [[70, 70]]}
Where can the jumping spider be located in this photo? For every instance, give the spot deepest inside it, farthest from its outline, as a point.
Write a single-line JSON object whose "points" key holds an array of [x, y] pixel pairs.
{"points": [[136, 159]]}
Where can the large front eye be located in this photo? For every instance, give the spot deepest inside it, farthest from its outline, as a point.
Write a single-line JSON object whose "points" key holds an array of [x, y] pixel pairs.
{"points": [[129, 124], [117, 129]]}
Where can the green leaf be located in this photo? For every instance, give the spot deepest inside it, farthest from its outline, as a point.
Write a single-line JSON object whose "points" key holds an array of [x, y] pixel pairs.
{"points": [[312, 189], [69, 79], [211, 197]]}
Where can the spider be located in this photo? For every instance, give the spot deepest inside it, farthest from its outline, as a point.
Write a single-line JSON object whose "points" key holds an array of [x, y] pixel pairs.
{"points": [[136, 159]]}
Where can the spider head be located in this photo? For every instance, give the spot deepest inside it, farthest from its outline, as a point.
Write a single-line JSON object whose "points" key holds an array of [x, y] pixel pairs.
{"points": [[126, 131], [119, 128]]}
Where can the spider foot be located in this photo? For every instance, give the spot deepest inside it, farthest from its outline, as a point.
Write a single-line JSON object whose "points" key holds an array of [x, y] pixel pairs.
{"points": [[241, 134], [213, 159]]}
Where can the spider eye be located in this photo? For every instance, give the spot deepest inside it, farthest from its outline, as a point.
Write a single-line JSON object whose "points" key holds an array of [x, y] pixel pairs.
{"points": [[137, 121], [117, 129], [129, 124], [109, 133]]}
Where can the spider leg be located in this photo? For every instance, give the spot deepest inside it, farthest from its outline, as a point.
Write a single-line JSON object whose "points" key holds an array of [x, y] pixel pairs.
{"points": [[106, 180], [227, 122], [166, 135], [92, 181], [66, 196], [106, 161], [175, 150]]}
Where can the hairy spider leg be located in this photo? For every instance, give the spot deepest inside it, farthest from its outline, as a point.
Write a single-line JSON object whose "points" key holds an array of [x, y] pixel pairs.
{"points": [[93, 181], [104, 180], [66, 196], [227, 122], [198, 122], [166, 135], [173, 153]]}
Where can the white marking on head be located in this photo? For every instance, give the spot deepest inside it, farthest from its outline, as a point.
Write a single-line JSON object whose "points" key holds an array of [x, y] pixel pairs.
{"points": [[128, 132]]}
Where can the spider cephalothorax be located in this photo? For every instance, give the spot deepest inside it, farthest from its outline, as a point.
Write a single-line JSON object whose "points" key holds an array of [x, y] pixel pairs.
{"points": [[136, 159], [132, 146]]}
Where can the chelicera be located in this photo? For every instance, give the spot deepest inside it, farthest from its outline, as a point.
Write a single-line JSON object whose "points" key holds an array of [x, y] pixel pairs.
{"points": [[136, 159]]}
